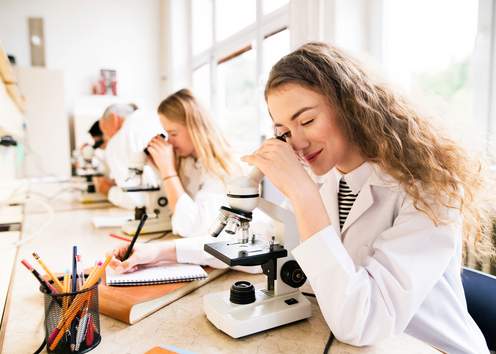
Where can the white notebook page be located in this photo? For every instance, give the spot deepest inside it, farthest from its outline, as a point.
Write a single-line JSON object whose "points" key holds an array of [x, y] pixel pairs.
{"points": [[162, 274]]}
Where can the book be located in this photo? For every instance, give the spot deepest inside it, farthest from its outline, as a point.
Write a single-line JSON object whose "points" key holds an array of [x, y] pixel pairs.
{"points": [[131, 304], [168, 349], [169, 273]]}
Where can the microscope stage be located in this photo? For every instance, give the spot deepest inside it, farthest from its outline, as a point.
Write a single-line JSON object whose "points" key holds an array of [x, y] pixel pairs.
{"points": [[141, 189], [234, 253]]}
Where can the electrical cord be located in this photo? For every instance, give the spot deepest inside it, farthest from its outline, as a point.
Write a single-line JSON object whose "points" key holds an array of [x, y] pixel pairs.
{"points": [[331, 336], [329, 342], [40, 349], [49, 220], [308, 294], [58, 193], [12, 195], [162, 235]]}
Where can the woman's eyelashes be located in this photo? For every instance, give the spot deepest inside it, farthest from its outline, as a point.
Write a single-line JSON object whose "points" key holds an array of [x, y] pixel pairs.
{"points": [[286, 135]]}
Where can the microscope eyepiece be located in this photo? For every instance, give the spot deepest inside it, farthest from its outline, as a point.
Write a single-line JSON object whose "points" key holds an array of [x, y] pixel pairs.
{"points": [[145, 150]]}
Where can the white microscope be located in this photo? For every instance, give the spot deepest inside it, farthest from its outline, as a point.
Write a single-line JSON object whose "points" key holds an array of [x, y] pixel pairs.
{"points": [[146, 193], [248, 309], [89, 166]]}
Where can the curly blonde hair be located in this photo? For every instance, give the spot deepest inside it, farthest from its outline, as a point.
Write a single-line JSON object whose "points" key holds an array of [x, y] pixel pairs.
{"points": [[213, 150], [434, 170]]}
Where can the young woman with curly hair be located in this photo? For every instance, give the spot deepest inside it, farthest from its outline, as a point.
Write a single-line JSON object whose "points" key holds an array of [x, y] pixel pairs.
{"points": [[382, 238]]}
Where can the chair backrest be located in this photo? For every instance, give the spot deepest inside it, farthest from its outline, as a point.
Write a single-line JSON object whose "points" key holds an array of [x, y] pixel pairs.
{"points": [[480, 292]]}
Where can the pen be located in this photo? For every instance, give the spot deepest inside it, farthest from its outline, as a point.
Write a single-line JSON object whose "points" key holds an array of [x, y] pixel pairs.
{"points": [[58, 284], [90, 333], [135, 237], [48, 287], [82, 329], [73, 290], [76, 306], [81, 274], [74, 269]]}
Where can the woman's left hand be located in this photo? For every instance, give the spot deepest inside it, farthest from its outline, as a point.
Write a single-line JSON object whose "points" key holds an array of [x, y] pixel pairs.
{"points": [[103, 184], [277, 160], [162, 155]]}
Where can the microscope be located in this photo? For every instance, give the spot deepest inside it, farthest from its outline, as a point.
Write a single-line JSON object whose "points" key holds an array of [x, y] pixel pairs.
{"points": [[146, 192], [89, 167], [248, 309]]}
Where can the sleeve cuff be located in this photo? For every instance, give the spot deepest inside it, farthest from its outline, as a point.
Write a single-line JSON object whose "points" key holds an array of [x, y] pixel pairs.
{"points": [[323, 250], [179, 220], [190, 250]]}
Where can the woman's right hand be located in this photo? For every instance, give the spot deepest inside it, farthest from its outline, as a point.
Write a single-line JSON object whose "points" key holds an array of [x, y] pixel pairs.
{"points": [[162, 155], [142, 254]]}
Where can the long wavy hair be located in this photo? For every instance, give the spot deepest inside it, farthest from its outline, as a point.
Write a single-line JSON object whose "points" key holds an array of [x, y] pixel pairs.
{"points": [[211, 147], [433, 169]]}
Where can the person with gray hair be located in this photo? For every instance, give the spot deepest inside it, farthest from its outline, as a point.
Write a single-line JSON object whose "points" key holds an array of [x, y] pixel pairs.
{"points": [[126, 132], [113, 118]]}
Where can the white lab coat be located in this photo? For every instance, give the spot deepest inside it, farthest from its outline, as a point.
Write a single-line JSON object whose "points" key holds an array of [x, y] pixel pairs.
{"points": [[390, 270], [124, 150]]}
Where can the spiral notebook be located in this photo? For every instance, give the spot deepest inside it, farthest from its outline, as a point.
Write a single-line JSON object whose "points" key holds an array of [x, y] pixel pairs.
{"points": [[170, 273]]}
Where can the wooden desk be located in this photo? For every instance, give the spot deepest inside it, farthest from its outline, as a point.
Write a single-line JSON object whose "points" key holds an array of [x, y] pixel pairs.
{"points": [[182, 323]]}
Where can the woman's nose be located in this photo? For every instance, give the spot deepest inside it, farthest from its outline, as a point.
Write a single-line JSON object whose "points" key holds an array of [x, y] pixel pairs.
{"points": [[298, 141]]}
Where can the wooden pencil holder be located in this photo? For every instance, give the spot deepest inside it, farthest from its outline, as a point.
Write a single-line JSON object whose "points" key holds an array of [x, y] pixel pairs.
{"points": [[76, 315]]}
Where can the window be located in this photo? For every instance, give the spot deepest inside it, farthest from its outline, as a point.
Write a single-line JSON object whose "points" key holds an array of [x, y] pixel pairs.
{"points": [[231, 70], [202, 29], [201, 85], [430, 55], [232, 16], [272, 5], [275, 46], [237, 100]]}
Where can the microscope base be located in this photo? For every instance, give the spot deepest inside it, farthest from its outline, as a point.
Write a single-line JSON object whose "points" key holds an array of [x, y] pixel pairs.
{"points": [[265, 313], [151, 226], [86, 197]]}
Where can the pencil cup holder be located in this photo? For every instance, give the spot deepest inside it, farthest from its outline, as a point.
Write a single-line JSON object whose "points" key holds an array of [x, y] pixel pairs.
{"points": [[72, 322]]}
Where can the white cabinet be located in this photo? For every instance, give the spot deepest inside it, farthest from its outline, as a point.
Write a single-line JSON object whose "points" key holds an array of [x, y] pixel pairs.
{"points": [[47, 146]]}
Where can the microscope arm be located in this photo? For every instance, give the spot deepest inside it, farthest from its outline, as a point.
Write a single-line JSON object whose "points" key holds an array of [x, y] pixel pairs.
{"points": [[286, 217]]}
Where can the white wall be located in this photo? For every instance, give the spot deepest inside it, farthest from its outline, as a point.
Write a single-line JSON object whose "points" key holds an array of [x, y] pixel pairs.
{"points": [[82, 36], [176, 66]]}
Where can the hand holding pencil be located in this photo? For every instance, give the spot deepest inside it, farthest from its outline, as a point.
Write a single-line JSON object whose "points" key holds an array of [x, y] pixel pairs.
{"points": [[125, 259], [142, 254]]}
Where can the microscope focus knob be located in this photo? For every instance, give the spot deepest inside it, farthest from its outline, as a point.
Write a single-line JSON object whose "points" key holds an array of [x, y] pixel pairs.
{"points": [[292, 274], [162, 201], [242, 293]]}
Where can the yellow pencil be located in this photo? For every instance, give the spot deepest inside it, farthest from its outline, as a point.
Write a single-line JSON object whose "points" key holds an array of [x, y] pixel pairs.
{"points": [[65, 300], [90, 276], [55, 280], [79, 301]]}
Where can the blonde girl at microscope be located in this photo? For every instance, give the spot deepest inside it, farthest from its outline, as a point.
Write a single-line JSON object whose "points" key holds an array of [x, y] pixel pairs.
{"points": [[381, 240], [195, 162]]}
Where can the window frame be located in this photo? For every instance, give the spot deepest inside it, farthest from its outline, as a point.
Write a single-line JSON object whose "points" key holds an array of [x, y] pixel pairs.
{"points": [[250, 37]]}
